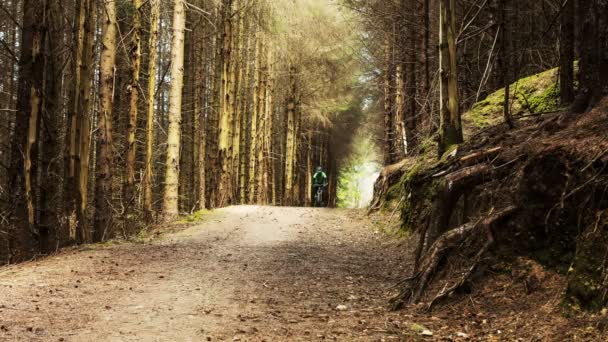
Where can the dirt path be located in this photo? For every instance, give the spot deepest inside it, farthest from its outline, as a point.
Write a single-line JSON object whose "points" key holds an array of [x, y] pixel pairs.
{"points": [[268, 274], [246, 273]]}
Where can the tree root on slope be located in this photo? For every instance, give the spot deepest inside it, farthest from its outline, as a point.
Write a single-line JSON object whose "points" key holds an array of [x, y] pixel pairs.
{"points": [[412, 289]]}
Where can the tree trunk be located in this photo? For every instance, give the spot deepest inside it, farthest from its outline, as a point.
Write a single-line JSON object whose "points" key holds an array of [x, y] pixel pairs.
{"points": [[504, 65], [262, 195], [450, 124], [254, 120], [103, 227], [291, 137], [399, 129], [426, 89], [24, 153], [389, 151], [269, 169], [225, 130], [566, 48], [411, 114], [52, 236], [309, 169], [200, 104], [149, 166], [170, 200], [213, 164], [83, 131], [244, 113], [238, 114], [593, 76], [134, 88]]}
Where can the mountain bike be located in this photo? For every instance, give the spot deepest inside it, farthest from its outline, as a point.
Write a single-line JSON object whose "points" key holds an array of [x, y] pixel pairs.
{"points": [[318, 200]]}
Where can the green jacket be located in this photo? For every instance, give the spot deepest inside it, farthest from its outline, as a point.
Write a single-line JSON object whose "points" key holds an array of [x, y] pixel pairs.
{"points": [[320, 178]]}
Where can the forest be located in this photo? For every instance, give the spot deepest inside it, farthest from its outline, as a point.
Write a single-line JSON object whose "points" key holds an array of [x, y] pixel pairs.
{"points": [[123, 113], [463, 143]]}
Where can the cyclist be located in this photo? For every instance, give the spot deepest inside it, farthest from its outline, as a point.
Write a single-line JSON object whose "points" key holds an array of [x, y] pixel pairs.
{"points": [[319, 182]]}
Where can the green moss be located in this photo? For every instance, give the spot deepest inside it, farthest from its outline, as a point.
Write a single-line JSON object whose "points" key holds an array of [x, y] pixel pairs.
{"points": [[419, 199], [533, 94], [586, 275], [394, 192], [196, 217], [448, 151]]}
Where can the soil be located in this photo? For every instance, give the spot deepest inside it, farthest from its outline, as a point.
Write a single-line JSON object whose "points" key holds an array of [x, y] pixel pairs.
{"points": [[269, 274]]}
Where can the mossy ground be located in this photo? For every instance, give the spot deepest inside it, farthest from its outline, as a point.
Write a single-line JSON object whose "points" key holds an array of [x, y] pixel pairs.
{"points": [[195, 217], [530, 95]]}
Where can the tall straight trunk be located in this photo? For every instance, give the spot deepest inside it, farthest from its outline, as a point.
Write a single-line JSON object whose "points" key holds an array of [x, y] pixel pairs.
{"points": [[254, 121], [450, 132], [52, 236], [291, 139], [262, 190], [281, 146], [73, 116], [201, 101], [197, 93], [309, 169], [297, 178], [213, 165], [103, 226], [566, 48], [24, 154], [225, 189], [83, 131], [426, 89], [401, 138], [232, 105], [186, 156], [504, 67], [242, 113], [236, 142], [398, 59], [411, 115], [134, 88], [149, 166], [269, 169], [389, 151], [170, 200], [593, 75]]}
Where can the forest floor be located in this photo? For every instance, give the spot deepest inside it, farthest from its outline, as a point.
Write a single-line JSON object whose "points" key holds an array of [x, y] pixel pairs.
{"points": [[261, 273]]}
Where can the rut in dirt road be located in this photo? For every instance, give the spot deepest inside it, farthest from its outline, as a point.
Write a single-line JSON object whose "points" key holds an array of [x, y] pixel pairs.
{"points": [[249, 273]]}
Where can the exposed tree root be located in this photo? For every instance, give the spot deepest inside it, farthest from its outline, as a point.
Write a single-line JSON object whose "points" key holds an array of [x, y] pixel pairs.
{"points": [[486, 225], [413, 288], [559, 174], [452, 187]]}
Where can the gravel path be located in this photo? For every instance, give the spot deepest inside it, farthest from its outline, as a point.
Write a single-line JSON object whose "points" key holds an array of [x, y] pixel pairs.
{"points": [[245, 273]]}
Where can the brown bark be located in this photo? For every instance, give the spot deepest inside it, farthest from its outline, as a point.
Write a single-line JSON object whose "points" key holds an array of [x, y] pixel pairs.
{"points": [[226, 117], [24, 151], [52, 236], [566, 69], [450, 132], [103, 225], [388, 143], [152, 46], [171, 193], [593, 76], [134, 89]]}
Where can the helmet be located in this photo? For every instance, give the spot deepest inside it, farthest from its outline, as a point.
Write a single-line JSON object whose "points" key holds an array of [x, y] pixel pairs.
{"points": [[319, 169]]}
